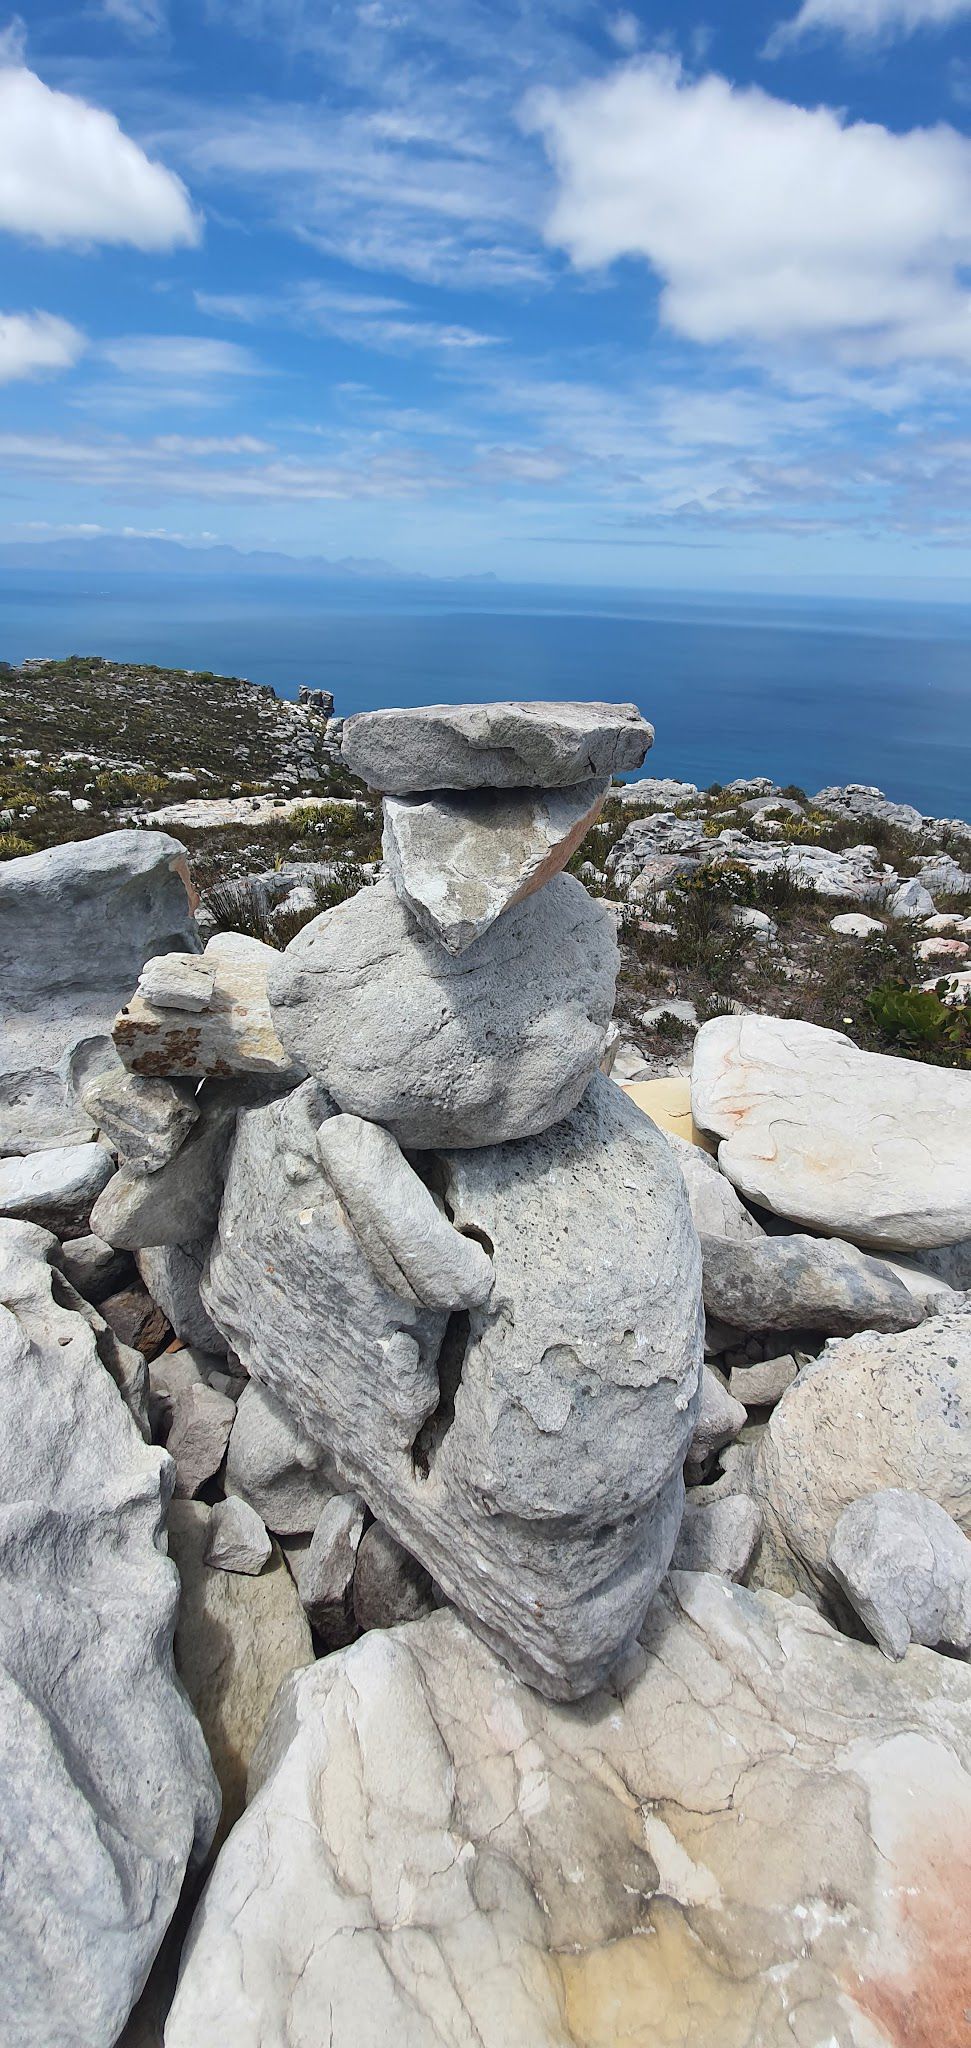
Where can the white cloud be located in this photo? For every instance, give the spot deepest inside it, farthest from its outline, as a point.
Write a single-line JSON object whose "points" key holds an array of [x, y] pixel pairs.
{"points": [[177, 356], [138, 18], [865, 21], [366, 319], [34, 344], [769, 225], [68, 173]]}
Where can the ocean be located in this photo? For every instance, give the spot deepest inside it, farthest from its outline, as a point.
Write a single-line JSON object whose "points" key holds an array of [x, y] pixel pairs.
{"points": [[808, 691]]}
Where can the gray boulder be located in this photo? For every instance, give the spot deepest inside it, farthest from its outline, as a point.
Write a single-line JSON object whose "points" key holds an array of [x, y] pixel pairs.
{"points": [[719, 1420], [905, 1567], [109, 1795], [459, 859], [715, 1206], [527, 1451], [718, 1536], [171, 1273], [238, 1540], [494, 746], [145, 1121], [198, 1435], [179, 1202], [77, 922], [94, 1267], [286, 1475], [803, 1283], [497, 1044], [763, 1383], [390, 1586], [55, 1189], [326, 1574]]}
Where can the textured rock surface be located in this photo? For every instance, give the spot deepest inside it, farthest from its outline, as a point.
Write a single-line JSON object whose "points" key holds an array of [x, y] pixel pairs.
{"points": [[237, 1637], [718, 1536], [528, 1452], [179, 1203], [411, 1245], [287, 1476], [850, 1143], [763, 1384], [715, 1206], [94, 1267], [55, 1189], [390, 1586], [136, 1319], [905, 1567], [172, 1273], [495, 1045], [803, 1283], [494, 746], [759, 1839], [77, 923], [146, 1121], [233, 1035], [108, 1792], [459, 859], [237, 1540], [198, 1435], [718, 1422], [875, 1412], [326, 1575]]}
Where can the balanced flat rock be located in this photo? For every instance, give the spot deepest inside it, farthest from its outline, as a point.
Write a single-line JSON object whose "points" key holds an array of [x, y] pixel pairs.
{"points": [[853, 1144], [494, 746], [458, 859], [497, 1044]]}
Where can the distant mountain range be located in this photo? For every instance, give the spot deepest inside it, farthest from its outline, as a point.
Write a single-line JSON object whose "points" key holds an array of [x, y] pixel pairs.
{"points": [[106, 554]]}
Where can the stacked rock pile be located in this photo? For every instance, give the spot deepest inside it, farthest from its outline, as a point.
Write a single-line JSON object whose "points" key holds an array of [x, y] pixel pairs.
{"points": [[462, 1260]]}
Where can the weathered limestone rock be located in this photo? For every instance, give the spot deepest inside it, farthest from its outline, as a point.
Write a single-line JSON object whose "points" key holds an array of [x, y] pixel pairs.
{"points": [[411, 1245], [718, 1536], [179, 1202], [854, 924], [146, 1121], [763, 1384], [326, 1575], [234, 1034], [494, 746], [390, 1586], [126, 1366], [238, 1540], [906, 1569], [55, 1189], [459, 859], [108, 1791], [177, 981], [171, 1375], [803, 1283], [198, 1435], [715, 1206], [171, 1273], [94, 1267], [874, 1412], [77, 923], [496, 1045], [850, 1143], [286, 1475], [236, 1638], [528, 1451], [758, 1836], [718, 1422]]}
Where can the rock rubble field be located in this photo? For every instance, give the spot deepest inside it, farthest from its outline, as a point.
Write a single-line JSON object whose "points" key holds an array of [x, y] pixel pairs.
{"points": [[485, 1500]]}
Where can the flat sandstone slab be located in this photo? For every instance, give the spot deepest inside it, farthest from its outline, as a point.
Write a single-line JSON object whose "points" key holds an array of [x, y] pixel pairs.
{"points": [[850, 1143], [458, 859], [233, 1034], [494, 746]]}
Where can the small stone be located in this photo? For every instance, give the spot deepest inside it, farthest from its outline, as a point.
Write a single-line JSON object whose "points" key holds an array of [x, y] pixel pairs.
{"points": [[273, 1464], [720, 1420], [233, 1035], [197, 1439], [94, 1267], [494, 746], [325, 1578], [136, 1320], [55, 1189], [238, 1541], [719, 1536], [853, 924], [390, 1586], [761, 1386], [177, 981], [905, 1567]]}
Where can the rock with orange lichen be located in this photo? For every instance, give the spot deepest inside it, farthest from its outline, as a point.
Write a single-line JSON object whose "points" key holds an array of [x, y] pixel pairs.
{"points": [[758, 1838], [168, 1028]]}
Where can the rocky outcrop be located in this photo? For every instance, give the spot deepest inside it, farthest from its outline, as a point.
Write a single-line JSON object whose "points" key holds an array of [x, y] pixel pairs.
{"points": [[496, 1044], [758, 1835], [850, 1143], [494, 746], [109, 1794]]}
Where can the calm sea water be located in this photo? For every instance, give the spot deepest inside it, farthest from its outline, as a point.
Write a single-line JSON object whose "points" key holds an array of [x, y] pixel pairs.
{"points": [[806, 691]]}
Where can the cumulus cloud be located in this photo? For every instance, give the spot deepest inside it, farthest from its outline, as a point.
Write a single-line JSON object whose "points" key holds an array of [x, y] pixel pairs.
{"points": [[35, 344], [69, 174], [769, 225], [864, 21]]}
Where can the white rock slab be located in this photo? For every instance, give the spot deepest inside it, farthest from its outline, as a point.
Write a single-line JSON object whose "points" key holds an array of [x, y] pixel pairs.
{"points": [[497, 1044], [459, 859], [494, 746], [853, 1144], [108, 1790], [761, 1823], [233, 1035]]}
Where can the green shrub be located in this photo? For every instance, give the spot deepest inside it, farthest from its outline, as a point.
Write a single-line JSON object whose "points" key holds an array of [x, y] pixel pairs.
{"points": [[918, 1018]]}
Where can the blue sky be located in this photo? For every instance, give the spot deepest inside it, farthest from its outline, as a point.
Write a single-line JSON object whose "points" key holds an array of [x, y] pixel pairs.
{"points": [[638, 295]]}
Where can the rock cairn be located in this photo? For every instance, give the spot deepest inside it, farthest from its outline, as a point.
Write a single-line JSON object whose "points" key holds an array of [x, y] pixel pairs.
{"points": [[459, 1257]]}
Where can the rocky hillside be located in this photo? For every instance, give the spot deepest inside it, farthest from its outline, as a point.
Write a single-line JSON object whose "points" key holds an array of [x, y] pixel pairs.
{"points": [[500, 1516]]}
